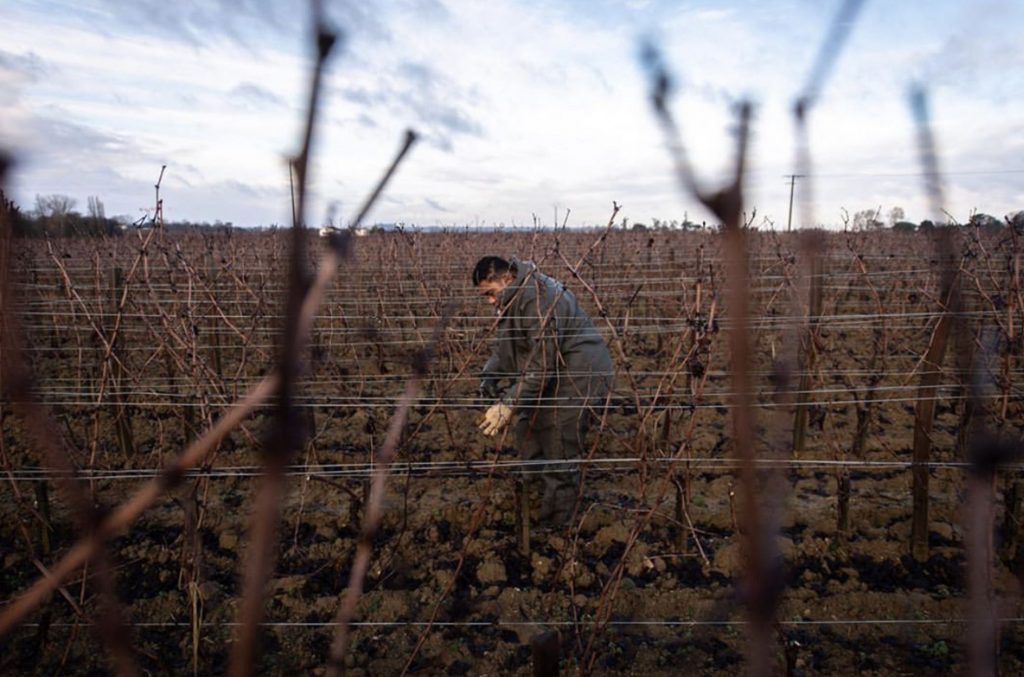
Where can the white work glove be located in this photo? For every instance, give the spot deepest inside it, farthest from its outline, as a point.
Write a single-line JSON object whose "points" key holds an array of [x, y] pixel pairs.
{"points": [[495, 419]]}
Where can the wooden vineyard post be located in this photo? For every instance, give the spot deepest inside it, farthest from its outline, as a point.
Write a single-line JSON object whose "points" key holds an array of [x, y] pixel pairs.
{"points": [[43, 505], [213, 330], [843, 502], [925, 414], [523, 517], [923, 420], [932, 366], [1013, 527], [1012, 518], [122, 423], [808, 354], [682, 543], [42, 492], [857, 452], [545, 650]]}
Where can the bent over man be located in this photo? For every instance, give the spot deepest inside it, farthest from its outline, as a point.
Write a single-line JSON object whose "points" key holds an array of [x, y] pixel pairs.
{"points": [[557, 372]]}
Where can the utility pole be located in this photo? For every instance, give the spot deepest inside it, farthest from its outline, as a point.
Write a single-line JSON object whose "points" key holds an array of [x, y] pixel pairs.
{"points": [[158, 214], [792, 183], [291, 191]]}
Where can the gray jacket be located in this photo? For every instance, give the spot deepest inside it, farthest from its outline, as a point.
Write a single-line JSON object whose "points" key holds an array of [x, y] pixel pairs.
{"points": [[546, 353]]}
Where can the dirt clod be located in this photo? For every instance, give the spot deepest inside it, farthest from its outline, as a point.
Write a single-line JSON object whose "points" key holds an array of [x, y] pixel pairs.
{"points": [[491, 571]]}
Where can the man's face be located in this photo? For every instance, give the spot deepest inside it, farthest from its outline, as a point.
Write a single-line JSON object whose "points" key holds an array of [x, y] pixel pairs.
{"points": [[490, 289]]}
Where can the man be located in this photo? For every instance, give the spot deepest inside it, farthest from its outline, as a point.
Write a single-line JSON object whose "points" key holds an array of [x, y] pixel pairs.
{"points": [[558, 372]]}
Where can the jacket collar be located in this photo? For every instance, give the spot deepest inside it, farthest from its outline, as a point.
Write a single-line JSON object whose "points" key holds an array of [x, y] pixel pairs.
{"points": [[524, 270]]}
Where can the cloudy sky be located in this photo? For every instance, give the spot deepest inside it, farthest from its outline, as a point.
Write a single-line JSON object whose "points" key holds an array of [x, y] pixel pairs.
{"points": [[527, 107]]}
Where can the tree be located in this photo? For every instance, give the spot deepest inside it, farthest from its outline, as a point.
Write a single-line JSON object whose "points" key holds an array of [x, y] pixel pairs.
{"points": [[867, 219], [985, 221], [96, 210], [1016, 221], [54, 206], [54, 213], [895, 215], [904, 227], [11, 211]]}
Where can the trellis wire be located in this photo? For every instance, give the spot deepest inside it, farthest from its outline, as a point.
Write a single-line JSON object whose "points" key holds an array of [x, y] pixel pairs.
{"points": [[477, 468], [680, 623]]}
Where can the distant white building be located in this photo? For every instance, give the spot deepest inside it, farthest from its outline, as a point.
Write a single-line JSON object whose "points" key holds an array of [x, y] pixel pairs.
{"points": [[325, 231]]}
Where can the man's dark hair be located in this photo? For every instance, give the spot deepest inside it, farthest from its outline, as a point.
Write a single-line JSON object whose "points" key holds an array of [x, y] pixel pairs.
{"points": [[490, 268]]}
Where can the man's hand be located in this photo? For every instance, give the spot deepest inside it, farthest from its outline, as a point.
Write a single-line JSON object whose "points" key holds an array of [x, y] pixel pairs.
{"points": [[495, 419]]}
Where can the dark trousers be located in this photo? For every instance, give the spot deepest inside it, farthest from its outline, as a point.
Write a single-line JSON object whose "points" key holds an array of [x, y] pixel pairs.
{"points": [[556, 434]]}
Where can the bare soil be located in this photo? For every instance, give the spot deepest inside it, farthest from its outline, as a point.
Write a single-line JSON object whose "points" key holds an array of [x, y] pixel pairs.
{"points": [[448, 555]]}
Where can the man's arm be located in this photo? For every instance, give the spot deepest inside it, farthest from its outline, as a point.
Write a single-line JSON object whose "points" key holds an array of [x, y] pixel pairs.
{"points": [[541, 365], [499, 366], [490, 377]]}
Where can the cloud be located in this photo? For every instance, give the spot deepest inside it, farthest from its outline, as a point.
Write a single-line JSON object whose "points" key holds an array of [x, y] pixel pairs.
{"points": [[418, 95], [436, 206], [17, 72], [66, 146], [80, 160], [361, 96], [195, 23], [247, 23], [65, 157], [417, 74], [437, 104], [237, 202], [251, 191], [28, 65], [251, 95], [524, 104], [967, 57]]}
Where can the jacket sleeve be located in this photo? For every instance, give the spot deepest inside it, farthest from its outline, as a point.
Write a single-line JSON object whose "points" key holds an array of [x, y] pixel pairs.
{"points": [[541, 364], [498, 367], [492, 367], [501, 364]]}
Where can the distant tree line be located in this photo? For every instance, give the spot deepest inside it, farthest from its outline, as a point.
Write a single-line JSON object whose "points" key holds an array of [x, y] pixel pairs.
{"points": [[863, 220], [665, 224], [55, 216], [870, 219]]}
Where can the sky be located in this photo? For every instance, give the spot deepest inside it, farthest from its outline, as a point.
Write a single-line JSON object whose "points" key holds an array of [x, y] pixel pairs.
{"points": [[528, 110]]}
